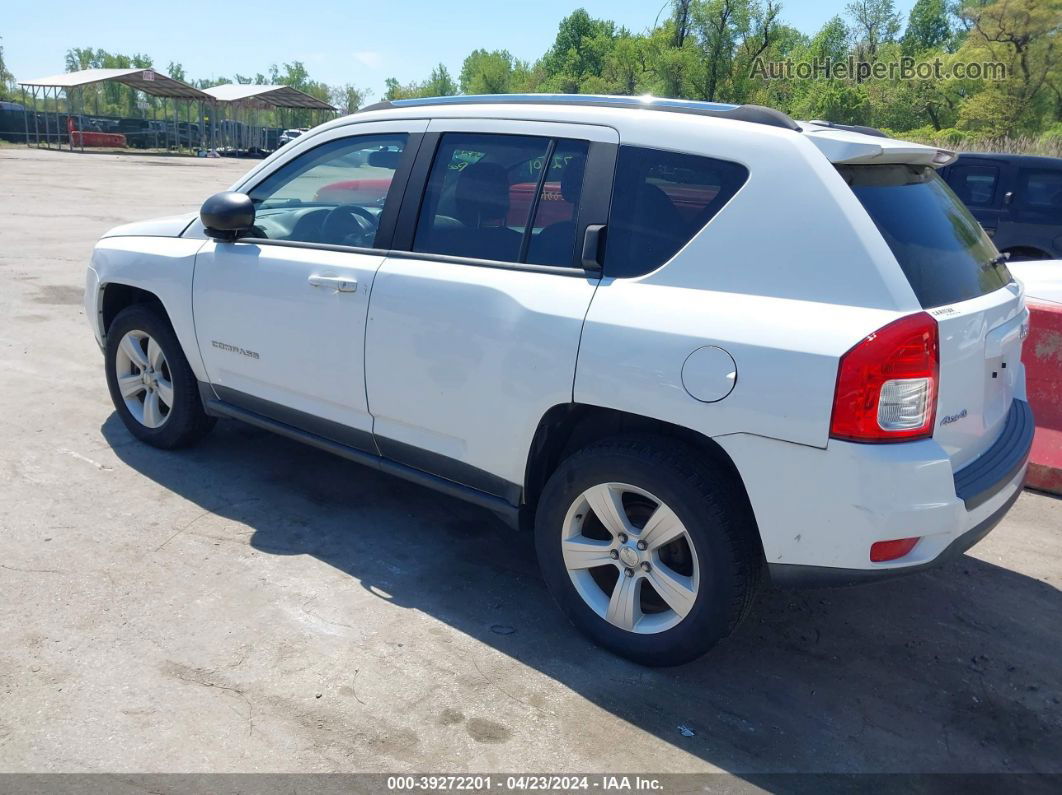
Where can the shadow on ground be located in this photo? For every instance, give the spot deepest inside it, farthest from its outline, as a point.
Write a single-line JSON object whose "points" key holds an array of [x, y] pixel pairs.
{"points": [[956, 670]]}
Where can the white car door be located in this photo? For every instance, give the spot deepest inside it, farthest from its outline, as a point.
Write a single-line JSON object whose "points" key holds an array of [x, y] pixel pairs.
{"points": [[280, 314], [474, 327]]}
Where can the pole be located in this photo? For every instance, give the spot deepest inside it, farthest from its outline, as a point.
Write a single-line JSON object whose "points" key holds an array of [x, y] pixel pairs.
{"points": [[46, 120], [25, 115], [36, 120], [58, 133]]}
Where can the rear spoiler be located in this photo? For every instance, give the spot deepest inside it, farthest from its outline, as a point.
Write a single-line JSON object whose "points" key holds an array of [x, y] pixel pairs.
{"points": [[850, 147]]}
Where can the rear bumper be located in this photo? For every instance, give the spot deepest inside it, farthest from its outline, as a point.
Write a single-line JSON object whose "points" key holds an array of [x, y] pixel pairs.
{"points": [[797, 576], [820, 510], [983, 478]]}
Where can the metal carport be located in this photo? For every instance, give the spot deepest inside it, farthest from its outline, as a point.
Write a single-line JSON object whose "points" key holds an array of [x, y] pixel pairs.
{"points": [[71, 84], [249, 99]]}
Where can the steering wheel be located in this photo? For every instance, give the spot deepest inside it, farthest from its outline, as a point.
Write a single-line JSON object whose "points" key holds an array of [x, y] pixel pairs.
{"points": [[349, 225]]}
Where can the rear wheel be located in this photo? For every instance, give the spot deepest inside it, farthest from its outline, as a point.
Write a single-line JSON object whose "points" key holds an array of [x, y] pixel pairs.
{"points": [[152, 386], [647, 550], [1026, 254]]}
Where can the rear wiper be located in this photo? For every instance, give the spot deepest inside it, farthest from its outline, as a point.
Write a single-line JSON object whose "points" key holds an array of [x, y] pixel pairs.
{"points": [[996, 261]]}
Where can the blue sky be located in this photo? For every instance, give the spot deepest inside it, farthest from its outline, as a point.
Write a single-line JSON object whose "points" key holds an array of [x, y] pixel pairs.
{"points": [[340, 42]]}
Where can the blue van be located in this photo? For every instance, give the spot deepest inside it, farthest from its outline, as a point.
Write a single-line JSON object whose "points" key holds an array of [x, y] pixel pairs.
{"points": [[1017, 199]]}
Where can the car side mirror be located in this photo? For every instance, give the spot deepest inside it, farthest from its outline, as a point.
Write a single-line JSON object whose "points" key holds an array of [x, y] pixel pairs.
{"points": [[227, 215], [1008, 197]]}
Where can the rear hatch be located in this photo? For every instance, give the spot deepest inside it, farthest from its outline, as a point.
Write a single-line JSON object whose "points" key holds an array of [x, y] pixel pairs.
{"points": [[960, 279]]}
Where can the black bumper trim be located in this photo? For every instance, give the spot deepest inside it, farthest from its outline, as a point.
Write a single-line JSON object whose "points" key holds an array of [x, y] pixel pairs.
{"points": [[983, 478], [787, 575]]}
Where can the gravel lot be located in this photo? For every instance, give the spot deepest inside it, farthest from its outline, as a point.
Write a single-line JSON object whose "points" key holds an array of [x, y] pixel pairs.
{"points": [[256, 605]]}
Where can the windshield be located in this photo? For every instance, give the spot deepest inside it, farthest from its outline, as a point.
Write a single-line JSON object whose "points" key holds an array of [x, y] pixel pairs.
{"points": [[944, 252]]}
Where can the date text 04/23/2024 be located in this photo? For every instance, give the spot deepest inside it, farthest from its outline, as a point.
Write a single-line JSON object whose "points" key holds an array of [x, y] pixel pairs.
{"points": [[520, 783]]}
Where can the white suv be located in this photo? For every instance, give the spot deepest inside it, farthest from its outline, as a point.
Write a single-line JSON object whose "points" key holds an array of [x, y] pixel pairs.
{"points": [[691, 344]]}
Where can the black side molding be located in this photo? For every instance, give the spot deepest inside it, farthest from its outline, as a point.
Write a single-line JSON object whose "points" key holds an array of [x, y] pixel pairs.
{"points": [[983, 478], [220, 408]]}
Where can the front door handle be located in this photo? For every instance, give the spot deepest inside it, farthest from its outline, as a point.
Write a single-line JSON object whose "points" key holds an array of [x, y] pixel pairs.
{"points": [[337, 283]]}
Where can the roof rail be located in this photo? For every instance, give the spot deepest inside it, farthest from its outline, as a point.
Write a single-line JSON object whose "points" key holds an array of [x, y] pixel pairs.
{"points": [[859, 128], [757, 114]]}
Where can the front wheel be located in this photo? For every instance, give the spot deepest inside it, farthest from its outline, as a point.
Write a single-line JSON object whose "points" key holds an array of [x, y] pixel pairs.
{"points": [[152, 386], [647, 549]]}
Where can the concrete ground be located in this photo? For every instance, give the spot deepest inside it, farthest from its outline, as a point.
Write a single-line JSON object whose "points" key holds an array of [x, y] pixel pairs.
{"points": [[256, 605]]}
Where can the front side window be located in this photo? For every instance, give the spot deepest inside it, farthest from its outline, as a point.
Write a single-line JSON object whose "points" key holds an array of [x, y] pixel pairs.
{"points": [[659, 202], [333, 194], [507, 198], [975, 185]]}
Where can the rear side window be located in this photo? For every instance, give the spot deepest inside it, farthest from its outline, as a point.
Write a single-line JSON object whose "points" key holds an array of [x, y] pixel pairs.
{"points": [[1038, 189], [505, 198], [943, 251], [660, 200]]}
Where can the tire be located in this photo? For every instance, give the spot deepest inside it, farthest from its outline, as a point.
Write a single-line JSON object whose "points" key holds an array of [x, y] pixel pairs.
{"points": [[175, 417], [1026, 254], [716, 563]]}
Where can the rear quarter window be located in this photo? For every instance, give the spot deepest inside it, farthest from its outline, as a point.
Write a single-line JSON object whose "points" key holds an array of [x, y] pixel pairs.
{"points": [[660, 200], [942, 249]]}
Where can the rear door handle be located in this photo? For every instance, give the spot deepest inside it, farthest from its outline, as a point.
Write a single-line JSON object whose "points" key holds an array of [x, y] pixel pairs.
{"points": [[593, 247], [337, 283]]}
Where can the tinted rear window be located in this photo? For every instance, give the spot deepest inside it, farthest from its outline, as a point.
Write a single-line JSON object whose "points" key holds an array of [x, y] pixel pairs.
{"points": [[659, 202], [944, 252]]}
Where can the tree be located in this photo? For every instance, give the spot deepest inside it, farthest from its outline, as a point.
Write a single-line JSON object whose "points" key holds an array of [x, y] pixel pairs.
{"points": [[680, 16], [875, 23], [671, 71], [758, 32], [439, 83], [176, 71], [7, 80], [1023, 35], [928, 27], [625, 68], [715, 24], [831, 42], [729, 37], [348, 98], [396, 90], [579, 52], [842, 101], [486, 72], [838, 100]]}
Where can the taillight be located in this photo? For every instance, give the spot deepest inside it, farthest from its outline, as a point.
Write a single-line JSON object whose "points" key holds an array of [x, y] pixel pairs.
{"points": [[887, 384]]}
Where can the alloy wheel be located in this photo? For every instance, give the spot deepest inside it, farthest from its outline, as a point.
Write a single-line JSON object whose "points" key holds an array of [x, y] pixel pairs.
{"points": [[144, 379], [630, 558]]}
